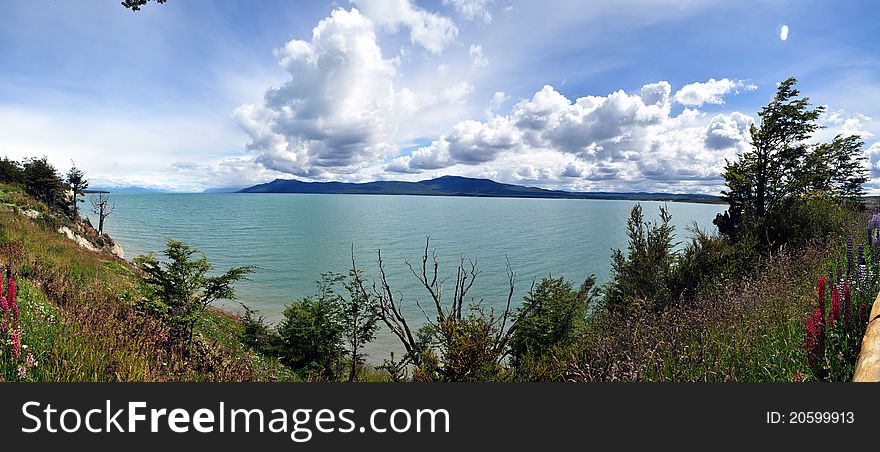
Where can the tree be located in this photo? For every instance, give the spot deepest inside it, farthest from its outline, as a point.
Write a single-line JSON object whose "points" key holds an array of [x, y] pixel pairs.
{"points": [[76, 180], [551, 318], [643, 274], [10, 171], [182, 287], [312, 330], [102, 208], [837, 169], [42, 180], [359, 318], [135, 5], [461, 341], [767, 183]]}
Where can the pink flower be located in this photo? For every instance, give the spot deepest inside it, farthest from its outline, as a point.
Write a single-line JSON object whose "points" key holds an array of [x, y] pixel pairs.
{"points": [[30, 361], [16, 343], [835, 306], [815, 338], [10, 295], [22, 373], [798, 377]]}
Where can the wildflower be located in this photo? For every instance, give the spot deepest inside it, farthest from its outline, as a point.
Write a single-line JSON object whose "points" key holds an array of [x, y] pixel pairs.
{"points": [[16, 343], [10, 295], [815, 338], [798, 377], [30, 361], [835, 306], [22, 373], [822, 295]]}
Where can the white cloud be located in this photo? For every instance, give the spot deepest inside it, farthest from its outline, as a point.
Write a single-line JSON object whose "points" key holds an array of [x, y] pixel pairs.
{"points": [[480, 60], [341, 110], [429, 30], [472, 9], [840, 122], [710, 92], [619, 141]]}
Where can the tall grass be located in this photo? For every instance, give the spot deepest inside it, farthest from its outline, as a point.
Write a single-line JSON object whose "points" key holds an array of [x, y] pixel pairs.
{"points": [[756, 329], [79, 319]]}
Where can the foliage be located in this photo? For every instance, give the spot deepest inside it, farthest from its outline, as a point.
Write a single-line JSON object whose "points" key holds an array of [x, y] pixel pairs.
{"points": [[135, 5], [461, 341], [76, 181], [42, 180], [359, 319], [10, 171], [643, 275], [312, 334], [182, 289], [768, 183], [551, 319]]}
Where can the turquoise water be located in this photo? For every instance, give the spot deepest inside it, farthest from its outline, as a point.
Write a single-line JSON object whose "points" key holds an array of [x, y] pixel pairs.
{"points": [[294, 238]]}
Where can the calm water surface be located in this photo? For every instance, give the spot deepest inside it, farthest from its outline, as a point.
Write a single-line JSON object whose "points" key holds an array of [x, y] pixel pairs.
{"points": [[294, 238]]}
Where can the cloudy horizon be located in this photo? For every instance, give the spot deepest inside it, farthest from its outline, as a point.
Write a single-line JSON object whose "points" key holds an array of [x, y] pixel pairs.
{"points": [[627, 96]]}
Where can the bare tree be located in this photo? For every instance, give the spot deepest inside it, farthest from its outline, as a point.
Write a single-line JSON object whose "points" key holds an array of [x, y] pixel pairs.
{"points": [[102, 208], [390, 302]]}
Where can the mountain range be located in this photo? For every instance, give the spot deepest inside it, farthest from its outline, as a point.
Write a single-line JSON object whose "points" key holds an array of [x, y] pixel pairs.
{"points": [[459, 186]]}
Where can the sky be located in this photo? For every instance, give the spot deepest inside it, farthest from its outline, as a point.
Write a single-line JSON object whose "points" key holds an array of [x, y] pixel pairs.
{"points": [[626, 95]]}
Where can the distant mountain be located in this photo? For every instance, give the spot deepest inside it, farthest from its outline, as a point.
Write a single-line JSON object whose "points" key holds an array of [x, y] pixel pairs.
{"points": [[458, 186], [126, 189], [222, 190]]}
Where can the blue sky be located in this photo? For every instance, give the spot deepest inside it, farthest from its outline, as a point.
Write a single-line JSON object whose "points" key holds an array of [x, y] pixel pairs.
{"points": [[625, 95]]}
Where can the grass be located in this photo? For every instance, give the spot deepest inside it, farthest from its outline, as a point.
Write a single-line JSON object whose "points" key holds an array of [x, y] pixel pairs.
{"points": [[755, 330], [80, 322]]}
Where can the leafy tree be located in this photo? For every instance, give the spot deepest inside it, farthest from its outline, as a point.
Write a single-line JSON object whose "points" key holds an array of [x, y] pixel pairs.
{"points": [[10, 171], [42, 180], [552, 317], [312, 332], [182, 287], [837, 169], [359, 318], [643, 274], [76, 180], [135, 5], [767, 183]]}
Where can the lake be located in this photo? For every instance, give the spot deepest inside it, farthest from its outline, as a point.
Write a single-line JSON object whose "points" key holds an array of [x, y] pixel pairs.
{"points": [[293, 238]]}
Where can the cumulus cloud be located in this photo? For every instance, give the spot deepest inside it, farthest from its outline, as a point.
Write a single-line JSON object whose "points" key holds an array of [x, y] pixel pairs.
{"points": [[623, 141], [873, 156], [710, 92], [843, 123], [429, 30], [472, 9], [340, 110]]}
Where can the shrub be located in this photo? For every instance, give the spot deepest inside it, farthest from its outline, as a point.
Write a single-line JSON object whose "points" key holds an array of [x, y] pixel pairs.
{"points": [[181, 289]]}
